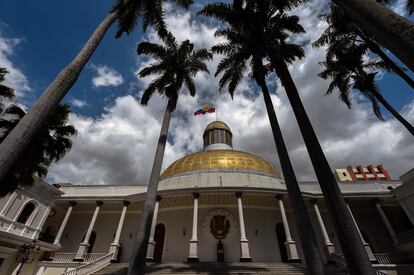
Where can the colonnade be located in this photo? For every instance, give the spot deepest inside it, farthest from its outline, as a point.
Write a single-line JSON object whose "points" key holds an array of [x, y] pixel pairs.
{"points": [[290, 244]]}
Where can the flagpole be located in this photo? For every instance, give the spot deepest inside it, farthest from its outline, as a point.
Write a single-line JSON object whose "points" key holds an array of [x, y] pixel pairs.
{"points": [[217, 95]]}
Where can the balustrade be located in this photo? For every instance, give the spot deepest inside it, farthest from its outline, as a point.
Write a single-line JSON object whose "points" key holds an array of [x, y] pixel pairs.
{"points": [[93, 266], [68, 257]]}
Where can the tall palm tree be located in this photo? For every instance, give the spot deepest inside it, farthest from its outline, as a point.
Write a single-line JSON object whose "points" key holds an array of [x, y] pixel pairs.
{"points": [[50, 144], [349, 70], [5, 91], [389, 29], [127, 12], [244, 36], [175, 65], [341, 28], [273, 39]]}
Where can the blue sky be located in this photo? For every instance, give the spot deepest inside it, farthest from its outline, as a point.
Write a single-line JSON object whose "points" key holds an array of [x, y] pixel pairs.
{"points": [[50, 33]]}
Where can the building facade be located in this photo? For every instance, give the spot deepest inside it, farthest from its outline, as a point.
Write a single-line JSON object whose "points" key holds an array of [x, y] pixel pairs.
{"points": [[217, 205]]}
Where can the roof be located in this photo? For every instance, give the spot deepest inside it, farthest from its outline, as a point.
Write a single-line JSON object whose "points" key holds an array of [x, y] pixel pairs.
{"points": [[221, 160]]}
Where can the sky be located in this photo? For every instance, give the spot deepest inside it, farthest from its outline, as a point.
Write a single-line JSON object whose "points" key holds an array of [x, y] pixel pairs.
{"points": [[117, 136]]}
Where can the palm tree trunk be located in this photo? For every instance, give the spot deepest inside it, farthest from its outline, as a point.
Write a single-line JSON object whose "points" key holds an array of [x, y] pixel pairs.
{"points": [[16, 142], [351, 244], [310, 247], [394, 67], [395, 32], [139, 253], [394, 112]]}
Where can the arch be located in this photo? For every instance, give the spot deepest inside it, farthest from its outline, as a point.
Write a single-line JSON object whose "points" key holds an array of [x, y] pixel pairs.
{"points": [[159, 238], [281, 239], [27, 212]]}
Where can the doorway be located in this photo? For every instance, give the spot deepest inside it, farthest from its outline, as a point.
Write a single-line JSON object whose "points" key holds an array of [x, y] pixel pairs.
{"points": [[281, 239], [159, 237]]}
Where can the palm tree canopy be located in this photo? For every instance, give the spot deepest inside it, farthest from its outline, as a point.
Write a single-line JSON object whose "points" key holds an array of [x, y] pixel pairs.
{"points": [[151, 11], [5, 91], [51, 143], [349, 69], [256, 30], [174, 64]]}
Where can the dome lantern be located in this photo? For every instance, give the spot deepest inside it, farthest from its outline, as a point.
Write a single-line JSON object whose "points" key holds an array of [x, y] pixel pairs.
{"points": [[217, 136]]}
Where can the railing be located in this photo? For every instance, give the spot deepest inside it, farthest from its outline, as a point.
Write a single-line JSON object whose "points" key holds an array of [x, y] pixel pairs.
{"points": [[68, 257], [17, 228], [63, 257], [90, 257], [383, 258], [341, 263], [91, 267]]}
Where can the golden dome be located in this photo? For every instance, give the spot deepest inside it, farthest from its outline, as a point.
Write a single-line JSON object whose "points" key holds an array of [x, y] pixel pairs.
{"points": [[222, 160], [217, 125]]}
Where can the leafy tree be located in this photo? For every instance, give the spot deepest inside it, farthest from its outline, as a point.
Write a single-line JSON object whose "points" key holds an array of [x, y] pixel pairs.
{"points": [[243, 46], [341, 28], [5, 91], [127, 12], [175, 65], [349, 70], [267, 31], [50, 144]]}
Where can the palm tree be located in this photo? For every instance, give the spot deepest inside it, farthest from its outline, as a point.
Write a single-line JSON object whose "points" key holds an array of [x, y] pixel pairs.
{"points": [[244, 36], [127, 13], [50, 144], [346, 66], [268, 33], [341, 28], [389, 29], [5, 91], [176, 64]]}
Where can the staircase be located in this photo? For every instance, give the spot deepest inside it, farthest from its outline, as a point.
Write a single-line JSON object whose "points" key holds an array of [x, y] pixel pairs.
{"points": [[210, 268]]}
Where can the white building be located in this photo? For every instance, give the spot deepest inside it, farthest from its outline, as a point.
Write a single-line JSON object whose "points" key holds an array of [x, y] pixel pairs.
{"points": [[217, 199]]}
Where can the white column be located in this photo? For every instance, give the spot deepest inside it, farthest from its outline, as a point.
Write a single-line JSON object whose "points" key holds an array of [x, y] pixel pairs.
{"points": [[151, 242], [193, 253], [64, 222], [366, 245], [329, 245], [114, 247], [83, 247], [244, 243], [387, 223], [290, 245]]}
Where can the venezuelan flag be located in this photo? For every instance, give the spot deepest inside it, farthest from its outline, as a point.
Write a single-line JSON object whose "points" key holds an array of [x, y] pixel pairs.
{"points": [[205, 110]]}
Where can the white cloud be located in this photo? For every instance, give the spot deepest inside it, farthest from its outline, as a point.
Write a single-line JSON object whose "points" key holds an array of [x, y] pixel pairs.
{"points": [[119, 146], [16, 78], [399, 7], [78, 103], [106, 76]]}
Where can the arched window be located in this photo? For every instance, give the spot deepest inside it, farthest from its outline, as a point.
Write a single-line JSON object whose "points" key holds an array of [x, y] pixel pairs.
{"points": [[26, 212]]}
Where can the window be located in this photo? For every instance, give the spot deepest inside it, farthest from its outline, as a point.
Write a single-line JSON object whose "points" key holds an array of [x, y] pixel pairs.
{"points": [[26, 213]]}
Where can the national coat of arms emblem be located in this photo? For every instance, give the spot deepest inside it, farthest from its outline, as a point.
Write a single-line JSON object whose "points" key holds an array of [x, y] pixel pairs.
{"points": [[219, 227]]}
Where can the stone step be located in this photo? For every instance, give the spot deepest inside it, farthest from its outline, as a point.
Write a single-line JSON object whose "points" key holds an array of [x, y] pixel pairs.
{"points": [[210, 268]]}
